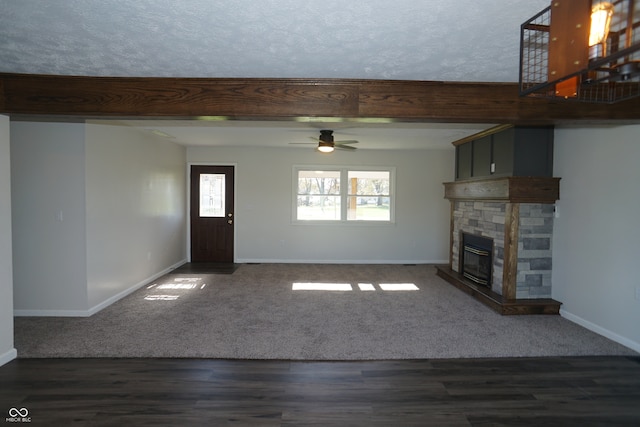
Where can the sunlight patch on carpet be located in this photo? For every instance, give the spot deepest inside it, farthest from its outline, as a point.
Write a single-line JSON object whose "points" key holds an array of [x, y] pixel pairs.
{"points": [[161, 297], [395, 287], [176, 286], [173, 290], [342, 287], [346, 287]]}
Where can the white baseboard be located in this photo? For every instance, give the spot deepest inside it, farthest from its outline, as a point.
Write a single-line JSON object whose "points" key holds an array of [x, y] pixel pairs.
{"points": [[337, 261], [601, 331], [51, 313], [93, 310], [8, 356]]}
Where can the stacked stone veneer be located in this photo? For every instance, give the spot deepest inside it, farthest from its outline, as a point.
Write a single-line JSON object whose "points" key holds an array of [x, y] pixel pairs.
{"points": [[535, 228]]}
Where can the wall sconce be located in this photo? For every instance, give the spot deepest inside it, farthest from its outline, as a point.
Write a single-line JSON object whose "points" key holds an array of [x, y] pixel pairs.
{"points": [[601, 15], [583, 50]]}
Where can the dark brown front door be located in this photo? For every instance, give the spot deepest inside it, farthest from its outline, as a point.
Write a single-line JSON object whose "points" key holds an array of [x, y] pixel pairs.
{"points": [[212, 215]]}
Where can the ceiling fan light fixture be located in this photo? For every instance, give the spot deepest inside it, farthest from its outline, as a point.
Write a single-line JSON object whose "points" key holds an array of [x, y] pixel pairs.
{"points": [[325, 143], [325, 147]]}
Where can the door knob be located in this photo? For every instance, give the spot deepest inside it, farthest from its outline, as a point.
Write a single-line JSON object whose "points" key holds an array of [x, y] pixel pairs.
{"points": [[230, 221], [229, 215]]}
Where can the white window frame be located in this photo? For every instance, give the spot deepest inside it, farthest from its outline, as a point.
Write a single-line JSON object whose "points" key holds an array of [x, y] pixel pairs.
{"points": [[344, 190]]}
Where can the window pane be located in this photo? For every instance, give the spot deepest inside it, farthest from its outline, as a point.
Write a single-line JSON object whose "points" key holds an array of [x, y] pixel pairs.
{"points": [[318, 207], [319, 182], [318, 196], [369, 198], [212, 195], [369, 208], [369, 183]]}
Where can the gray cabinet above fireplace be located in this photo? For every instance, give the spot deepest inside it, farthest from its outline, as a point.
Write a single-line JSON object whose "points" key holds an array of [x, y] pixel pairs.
{"points": [[506, 151]]}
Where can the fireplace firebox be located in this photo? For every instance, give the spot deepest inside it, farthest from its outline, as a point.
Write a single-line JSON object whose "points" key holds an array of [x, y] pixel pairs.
{"points": [[477, 258]]}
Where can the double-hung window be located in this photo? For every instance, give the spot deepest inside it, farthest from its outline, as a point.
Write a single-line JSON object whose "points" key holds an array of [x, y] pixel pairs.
{"points": [[344, 194]]}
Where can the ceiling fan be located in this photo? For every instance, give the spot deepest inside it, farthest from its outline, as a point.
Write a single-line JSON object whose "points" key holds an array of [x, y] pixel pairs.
{"points": [[326, 144]]}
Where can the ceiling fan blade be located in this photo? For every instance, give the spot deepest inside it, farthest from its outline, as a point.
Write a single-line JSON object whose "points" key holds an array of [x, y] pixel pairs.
{"points": [[326, 138]]}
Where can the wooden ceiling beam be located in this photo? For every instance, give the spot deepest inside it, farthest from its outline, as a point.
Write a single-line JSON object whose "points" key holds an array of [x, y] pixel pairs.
{"points": [[283, 99]]}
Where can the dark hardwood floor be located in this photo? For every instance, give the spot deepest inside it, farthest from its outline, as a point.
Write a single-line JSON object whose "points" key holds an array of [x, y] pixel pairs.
{"points": [[569, 391]]}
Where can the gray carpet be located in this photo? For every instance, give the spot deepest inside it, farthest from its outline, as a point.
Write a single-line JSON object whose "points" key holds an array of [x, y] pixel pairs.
{"points": [[254, 314]]}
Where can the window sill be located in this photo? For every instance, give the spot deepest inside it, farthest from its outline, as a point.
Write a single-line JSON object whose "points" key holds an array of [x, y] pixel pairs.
{"points": [[342, 223]]}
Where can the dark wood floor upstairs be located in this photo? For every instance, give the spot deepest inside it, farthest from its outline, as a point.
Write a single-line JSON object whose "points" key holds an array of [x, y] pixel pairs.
{"points": [[571, 391]]}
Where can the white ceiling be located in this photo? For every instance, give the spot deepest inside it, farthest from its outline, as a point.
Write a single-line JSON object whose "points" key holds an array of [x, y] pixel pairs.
{"points": [[457, 40]]}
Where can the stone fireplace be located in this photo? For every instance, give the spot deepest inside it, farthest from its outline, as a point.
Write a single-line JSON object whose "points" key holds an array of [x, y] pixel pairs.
{"points": [[514, 214], [533, 239]]}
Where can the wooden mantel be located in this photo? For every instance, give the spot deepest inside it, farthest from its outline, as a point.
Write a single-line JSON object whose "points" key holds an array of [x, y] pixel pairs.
{"points": [[510, 189]]}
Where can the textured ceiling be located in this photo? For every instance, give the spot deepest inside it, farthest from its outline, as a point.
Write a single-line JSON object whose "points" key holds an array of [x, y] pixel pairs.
{"points": [[458, 40]]}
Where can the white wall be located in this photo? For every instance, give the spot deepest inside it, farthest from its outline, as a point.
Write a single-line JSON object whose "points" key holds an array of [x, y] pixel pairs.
{"points": [[264, 188], [97, 212], [49, 250], [135, 209], [7, 351], [595, 248]]}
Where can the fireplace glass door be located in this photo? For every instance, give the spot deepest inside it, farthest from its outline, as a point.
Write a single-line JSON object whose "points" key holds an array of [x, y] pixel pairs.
{"points": [[476, 265], [477, 258]]}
